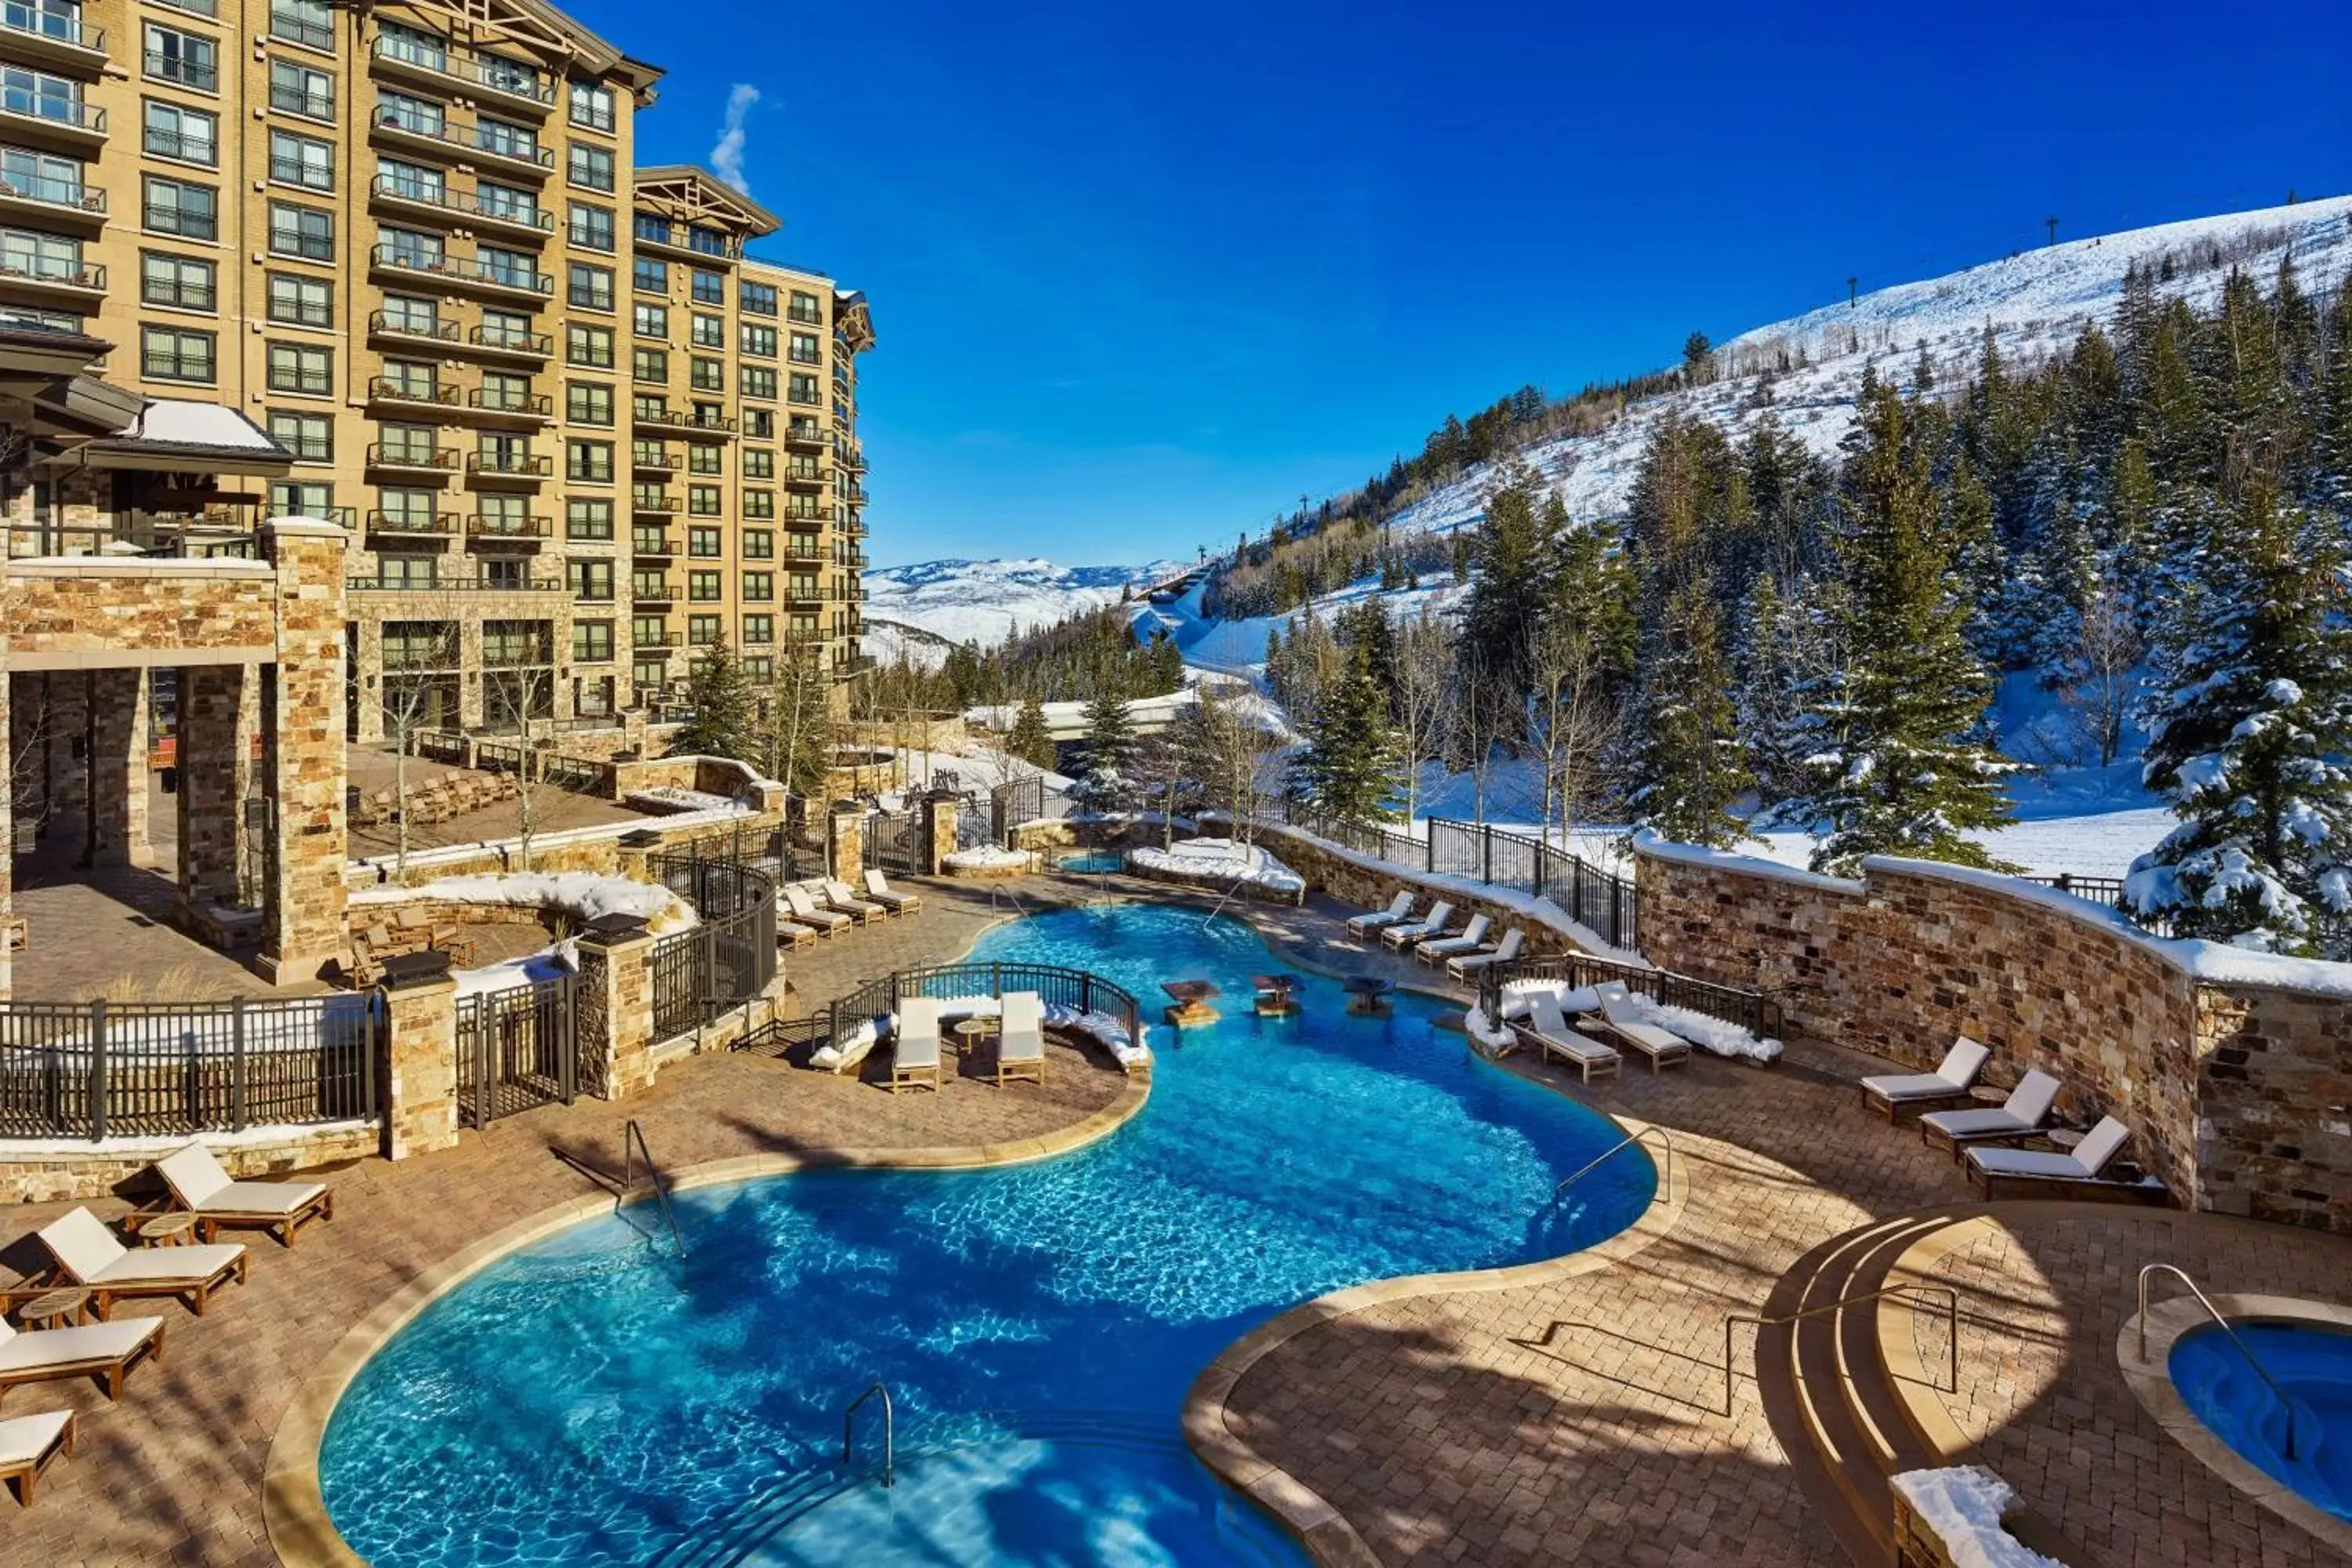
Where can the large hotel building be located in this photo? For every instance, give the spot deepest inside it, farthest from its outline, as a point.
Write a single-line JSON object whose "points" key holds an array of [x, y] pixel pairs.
{"points": [[397, 265]]}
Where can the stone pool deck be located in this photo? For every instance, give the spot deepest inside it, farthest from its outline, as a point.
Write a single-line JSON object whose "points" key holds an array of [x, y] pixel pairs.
{"points": [[1578, 1420]]}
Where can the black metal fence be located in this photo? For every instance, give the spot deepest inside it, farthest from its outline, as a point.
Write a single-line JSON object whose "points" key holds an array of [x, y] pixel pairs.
{"points": [[1751, 1010], [1014, 802], [780, 854], [100, 1069], [1607, 904], [1075, 988], [891, 840], [726, 960], [2107, 890], [517, 1049]]}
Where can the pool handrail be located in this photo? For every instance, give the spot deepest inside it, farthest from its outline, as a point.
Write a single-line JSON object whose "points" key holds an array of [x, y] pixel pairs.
{"points": [[1665, 1175], [2223, 1325], [633, 1142], [889, 1435]]}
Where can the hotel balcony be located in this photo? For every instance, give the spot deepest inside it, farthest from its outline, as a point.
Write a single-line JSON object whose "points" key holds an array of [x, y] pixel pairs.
{"points": [[657, 238], [804, 597], [662, 590], [431, 462], [489, 78], [54, 203], [806, 438], [532, 226], [487, 405], [527, 529], [381, 325], [51, 39], [48, 284], [647, 462], [405, 400], [646, 503], [496, 468], [52, 124], [510, 343], [652, 543], [414, 201], [406, 268], [411, 525]]}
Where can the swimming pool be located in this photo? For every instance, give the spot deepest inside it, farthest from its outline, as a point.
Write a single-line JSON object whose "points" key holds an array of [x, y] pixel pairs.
{"points": [[594, 1400], [1092, 861], [2314, 1365]]}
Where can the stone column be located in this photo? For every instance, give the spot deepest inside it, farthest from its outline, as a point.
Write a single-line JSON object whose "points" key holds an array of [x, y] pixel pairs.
{"points": [[65, 745], [420, 1078], [8, 830], [470, 696], [845, 841], [616, 1007], [370, 669], [118, 767], [215, 767], [303, 899], [940, 810]]}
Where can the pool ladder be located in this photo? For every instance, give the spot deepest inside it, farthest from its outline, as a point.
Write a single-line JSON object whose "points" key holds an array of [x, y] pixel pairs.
{"points": [[890, 1437], [1665, 1176], [633, 1143], [2223, 1325]]}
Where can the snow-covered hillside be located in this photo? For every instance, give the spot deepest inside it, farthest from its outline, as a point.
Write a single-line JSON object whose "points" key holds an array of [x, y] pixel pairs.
{"points": [[985, 601]]}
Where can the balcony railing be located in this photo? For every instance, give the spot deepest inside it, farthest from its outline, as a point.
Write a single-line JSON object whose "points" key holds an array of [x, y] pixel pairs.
{"points": [[512, 340], [502, 465], [523, 404], [656, 462], [437, 460], [455, 585], [72, 115], [39, 272], [653, 591], [680, 237], [67, 195], [651, 542], [517, 218], [528, 156], [292, 99], [485, 75], [383, 325], [418, 524], [391, 188], [62, 30], [532, 525], [653, 501], [163, 66], [383, 389]]}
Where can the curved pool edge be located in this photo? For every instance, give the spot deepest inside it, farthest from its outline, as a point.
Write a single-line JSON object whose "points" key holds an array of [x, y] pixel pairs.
{"points": [[2150, 1381], [1329, 1538], [294, 1507]]}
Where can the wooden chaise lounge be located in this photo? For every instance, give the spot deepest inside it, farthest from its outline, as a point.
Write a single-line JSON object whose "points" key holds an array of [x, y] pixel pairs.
{"points": [[91, 1257], [198, 1185]]}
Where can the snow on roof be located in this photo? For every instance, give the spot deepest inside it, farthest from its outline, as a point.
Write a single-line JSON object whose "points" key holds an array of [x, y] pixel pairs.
{"points": [[180, 423]]}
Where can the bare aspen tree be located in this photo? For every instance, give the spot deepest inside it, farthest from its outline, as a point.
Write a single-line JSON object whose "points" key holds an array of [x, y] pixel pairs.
{"points": [[1423, 658]]}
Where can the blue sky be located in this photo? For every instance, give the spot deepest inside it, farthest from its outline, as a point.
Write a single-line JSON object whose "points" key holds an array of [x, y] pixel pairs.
{"points": [[1142, 275]]}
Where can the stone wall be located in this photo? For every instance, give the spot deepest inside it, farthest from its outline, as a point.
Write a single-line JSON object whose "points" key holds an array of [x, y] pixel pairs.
{"points": [[2239, 1094], [1372, 886], [102, 1169]]}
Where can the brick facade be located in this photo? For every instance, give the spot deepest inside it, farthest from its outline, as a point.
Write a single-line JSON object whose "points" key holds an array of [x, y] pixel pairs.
{"points": [[421, 1068], [303, 923]]}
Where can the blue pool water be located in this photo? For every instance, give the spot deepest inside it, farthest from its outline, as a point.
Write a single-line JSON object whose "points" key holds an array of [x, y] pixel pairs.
{"points": [[1093, 861], [2314, 1365], [594, 1400]]}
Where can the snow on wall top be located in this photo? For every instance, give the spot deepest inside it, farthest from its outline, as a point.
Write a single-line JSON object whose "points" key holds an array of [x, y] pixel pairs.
{"points": [[1647, 842]]}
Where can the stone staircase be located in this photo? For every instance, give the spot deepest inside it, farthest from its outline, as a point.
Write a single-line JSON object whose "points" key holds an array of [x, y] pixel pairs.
{"points": [[1833, 1399]]}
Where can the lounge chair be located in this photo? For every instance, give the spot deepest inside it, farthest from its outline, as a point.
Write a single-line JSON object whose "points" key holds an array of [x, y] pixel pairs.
{"points": [[1951, 1081], [792, 934], [1432, 924], [915, 1046], [1472, 938], [1467, 967], [109, 1271], [1364, 926], [2050, 1172], [825, 922], [29, 1445], [882, 893], [1663, 1047], [1549, 1031], [198, 1185], [1021, 1042], [107, 1351], [2021, 1116], [843, 899]]}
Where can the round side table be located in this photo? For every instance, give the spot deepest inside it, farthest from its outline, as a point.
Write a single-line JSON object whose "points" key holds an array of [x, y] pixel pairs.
{"points": [[175, 1229], [55, 1310]]}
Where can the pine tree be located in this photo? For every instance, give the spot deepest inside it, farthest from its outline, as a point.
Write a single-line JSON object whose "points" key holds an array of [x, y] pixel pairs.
{"points": [[2248, 731], [1904, 769], [1031, 741], [2330, 482], [1507, 594], [1107, 756], [723, 705], [1690, 771], [1350, 769]]}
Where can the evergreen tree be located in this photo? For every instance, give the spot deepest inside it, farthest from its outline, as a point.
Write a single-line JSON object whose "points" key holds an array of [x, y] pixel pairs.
{"points": [[1031, 741], [1349, 769], [1507, 594], [1691, 770], [1107, 756], [2248, 728], [722, 699], [1904, 769]]}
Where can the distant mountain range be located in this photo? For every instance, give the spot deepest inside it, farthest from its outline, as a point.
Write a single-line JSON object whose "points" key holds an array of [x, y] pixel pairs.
{"points": [[931, 605]]}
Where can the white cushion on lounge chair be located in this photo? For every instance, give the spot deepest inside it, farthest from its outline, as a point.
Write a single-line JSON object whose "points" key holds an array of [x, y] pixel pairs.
{"points": [[25, 1438], [1471, 936], [804, 910], [1399, 907], [1553, 1030], [93, 1258], [110, 1341], [196, 1179], [915, 1042], [1022, 1038], [1617, 1007], [2027, 1107], [1958, 1070], [842, 896], [2082, 1164], [1431, 925], [881, 892], [1471, 964]]}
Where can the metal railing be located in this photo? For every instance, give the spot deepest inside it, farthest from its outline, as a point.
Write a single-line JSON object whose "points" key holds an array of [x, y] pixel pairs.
{"points": [[1078, 989], [1666, 1176], [154, 542], [1752, 1010], [98, 1070], [729, 958], [890, 1433], [1951, 1301], [2223, 1325], [633, 1143]]}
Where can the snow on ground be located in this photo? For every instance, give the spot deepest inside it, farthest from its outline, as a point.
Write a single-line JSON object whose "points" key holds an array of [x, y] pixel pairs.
{"points": [[1219, 862]]}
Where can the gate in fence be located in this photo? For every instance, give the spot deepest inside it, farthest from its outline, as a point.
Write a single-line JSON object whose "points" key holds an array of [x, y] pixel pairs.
{"points": [[1012, 803], [517, 1049], [726, 960], [891, 840]]}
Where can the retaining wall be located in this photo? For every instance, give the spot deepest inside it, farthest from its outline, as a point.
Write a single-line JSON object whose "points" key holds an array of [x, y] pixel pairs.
{"points": [[51, 1173]]}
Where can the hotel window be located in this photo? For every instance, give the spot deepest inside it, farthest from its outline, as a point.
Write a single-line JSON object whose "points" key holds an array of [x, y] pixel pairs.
{"points": [[709, 332], [40, 96], [507, 329], [703, 500], [590, 579], [587, 345], [189, 135], [586, 403], [759, 544], [710, 288], [398, 571], [758, 630], [511, 268], [175, 353], [304, 368], [758, 465], [494, 200], [591, 168], [505, 141], [588, 518], [302, 302], [413, 379], [758, 586], [591, 106], [804, 389], [760, 503], [588, 462], [759, 298], [301, 161], [649, 364], [421, 115], [701, 459], [413, 252], [592, 642], [298, 90], [707, 376], [506, 394], [503, 74], [758, 342], [310, 437], [648, 276], [646, 406], [408, 510], [412, 182], [759, 381], [651, 321], [701, 631], [179, 281], [398, 41], [176, 206], [309, 231], [759, 424], [806, 311], [805, 349], [704, 542], [705, 587], [413, 446], [187, 58], [591, 227], [591, 286], [412, 317], [502, 517], [306, 21]]}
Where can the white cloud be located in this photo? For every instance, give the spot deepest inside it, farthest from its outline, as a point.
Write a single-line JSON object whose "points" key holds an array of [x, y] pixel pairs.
{"points": [[727, 154]]}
